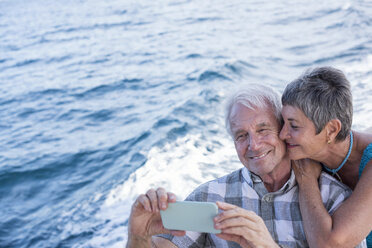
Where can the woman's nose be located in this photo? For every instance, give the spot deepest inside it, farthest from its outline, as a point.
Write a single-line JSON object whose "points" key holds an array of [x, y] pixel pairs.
{"points": [[283, 133]]}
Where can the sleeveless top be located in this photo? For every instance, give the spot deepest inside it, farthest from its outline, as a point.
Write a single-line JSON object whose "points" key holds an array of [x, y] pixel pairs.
{"points": [[367, 156]]}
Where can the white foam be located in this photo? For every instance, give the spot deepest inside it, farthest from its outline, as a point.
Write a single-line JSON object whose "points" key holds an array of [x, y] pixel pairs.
{"points": [[178, 166], [346, 6]]}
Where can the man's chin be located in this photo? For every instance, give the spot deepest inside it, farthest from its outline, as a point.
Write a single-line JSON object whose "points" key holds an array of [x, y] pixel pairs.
{"points": [[261, 170]]}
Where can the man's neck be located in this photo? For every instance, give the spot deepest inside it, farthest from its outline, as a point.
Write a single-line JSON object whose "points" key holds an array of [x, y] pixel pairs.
{"points": [[278, 177]]}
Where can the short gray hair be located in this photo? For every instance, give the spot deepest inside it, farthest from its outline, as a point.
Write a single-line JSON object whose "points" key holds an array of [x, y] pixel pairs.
{"points": [[322, 94], [254, 96]]}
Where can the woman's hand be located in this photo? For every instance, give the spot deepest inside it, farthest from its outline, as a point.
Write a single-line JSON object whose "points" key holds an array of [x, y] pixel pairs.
{"points": [[306, 170], [242, 226]]}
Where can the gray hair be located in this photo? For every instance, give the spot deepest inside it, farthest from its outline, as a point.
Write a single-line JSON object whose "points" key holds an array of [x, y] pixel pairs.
{"points": [[254, 96], [322, 94]]}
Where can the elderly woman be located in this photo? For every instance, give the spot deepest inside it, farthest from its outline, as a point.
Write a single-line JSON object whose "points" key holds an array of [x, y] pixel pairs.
{"points": [[317, 112]]}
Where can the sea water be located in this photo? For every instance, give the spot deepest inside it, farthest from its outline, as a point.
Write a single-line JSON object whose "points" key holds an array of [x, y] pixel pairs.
{"points": [[102, 100]]}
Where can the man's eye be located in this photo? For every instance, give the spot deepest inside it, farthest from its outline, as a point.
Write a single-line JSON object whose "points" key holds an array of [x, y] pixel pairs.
{"points": [[294, 126], [263, 131], [240, 137]]}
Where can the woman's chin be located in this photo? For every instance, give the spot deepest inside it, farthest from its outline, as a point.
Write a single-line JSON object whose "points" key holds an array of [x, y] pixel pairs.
{"points": [[295, 155]]}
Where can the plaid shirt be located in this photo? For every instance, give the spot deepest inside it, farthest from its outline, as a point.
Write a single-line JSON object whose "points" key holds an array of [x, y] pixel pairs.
{"points": [[280, 210]]}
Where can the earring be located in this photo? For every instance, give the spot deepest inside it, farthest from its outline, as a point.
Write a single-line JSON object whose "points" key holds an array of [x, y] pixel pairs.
{"points": [[329, 142]]}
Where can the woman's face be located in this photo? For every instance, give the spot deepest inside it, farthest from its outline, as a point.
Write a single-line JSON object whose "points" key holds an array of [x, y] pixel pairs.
{"points": [[300, 135]]}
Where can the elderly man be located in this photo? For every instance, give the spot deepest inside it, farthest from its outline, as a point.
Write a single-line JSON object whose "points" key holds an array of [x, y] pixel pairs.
{"points": [[258, 203]]}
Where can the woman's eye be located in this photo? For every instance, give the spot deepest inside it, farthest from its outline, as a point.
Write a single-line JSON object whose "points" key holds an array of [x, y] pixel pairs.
{"points": [[294, 126]]}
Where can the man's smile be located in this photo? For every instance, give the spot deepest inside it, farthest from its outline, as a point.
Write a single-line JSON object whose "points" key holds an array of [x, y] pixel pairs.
{"points": [[259, 156]]}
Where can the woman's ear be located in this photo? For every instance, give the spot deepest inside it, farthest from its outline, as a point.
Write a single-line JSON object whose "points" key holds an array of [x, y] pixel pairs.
{"points": [[333, 127]]}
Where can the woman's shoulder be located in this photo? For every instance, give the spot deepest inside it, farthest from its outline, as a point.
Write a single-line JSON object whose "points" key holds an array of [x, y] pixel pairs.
{"points": [[364, 148], [363, 139]]}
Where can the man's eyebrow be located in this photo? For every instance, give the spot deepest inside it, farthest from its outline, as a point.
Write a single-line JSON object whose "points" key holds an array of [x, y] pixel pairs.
{"points": [[263, 124], [238, 131]]}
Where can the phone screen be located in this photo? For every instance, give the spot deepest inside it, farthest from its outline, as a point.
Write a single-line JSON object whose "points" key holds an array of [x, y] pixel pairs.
{"points": [[190, 216]]}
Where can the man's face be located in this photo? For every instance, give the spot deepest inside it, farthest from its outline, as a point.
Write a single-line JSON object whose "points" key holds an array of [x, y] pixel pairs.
{"points": [[256, 138]]}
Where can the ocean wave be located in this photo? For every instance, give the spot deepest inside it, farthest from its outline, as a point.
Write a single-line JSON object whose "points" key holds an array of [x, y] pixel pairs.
{"points": [[102, 100]]}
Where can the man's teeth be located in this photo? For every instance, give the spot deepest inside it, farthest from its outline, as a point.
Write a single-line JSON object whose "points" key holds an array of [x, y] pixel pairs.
{"points": [[261, 156]]}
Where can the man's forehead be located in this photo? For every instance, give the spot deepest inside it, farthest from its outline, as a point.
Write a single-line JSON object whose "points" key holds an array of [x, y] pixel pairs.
{"points": [[258, 123], [239, 110], [259, 116]]}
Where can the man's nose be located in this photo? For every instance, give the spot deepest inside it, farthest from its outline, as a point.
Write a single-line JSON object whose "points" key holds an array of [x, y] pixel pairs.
{"points": [[253, 142]]}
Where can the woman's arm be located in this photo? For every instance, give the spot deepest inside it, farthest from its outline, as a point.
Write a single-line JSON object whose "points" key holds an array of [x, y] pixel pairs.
{"points": [[350, 223]]}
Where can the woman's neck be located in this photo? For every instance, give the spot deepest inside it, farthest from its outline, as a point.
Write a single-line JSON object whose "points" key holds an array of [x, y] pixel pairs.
{"points": [[336, 152], [349, 172]]}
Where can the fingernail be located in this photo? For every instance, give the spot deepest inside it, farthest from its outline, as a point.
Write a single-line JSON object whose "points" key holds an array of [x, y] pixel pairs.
{"points": [[163, 206]]}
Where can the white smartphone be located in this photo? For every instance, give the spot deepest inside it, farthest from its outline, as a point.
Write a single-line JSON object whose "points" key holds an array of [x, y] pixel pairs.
{"points": [[190, 216]]}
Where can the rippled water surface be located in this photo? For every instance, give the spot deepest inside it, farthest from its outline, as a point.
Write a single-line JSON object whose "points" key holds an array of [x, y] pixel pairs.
{"points": [[100, 100]]}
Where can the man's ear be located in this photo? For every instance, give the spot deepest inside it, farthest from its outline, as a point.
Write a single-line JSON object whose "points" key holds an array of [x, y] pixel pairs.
{"points": [[333, 127]]}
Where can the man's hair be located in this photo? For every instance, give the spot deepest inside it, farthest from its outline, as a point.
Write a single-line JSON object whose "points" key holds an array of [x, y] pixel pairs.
{"points": [[254, 96], [322, 94]]}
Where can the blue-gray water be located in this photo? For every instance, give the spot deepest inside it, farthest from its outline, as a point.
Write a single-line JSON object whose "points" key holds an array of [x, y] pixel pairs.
{"points": [[100, 100]]}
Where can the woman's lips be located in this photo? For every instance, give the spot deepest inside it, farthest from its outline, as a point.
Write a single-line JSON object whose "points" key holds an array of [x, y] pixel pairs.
{"points": [[289, 145]]}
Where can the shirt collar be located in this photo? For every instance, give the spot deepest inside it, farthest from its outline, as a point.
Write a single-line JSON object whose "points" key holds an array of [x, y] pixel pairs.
{"points": [[247, 176], [251, 178]]}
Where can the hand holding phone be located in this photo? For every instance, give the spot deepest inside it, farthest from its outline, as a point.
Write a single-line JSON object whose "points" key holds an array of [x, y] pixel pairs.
{"points": [[190, 216]]}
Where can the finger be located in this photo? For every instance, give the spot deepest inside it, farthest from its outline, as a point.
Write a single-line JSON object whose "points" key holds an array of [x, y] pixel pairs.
{"points": [[232, 211], [177, 233], [296, 168], [151, 194], [225, 206], [171, 197], [295, 164], [144, 202], [230, 237], [247, 233], [162, 198], [238, 222]]}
